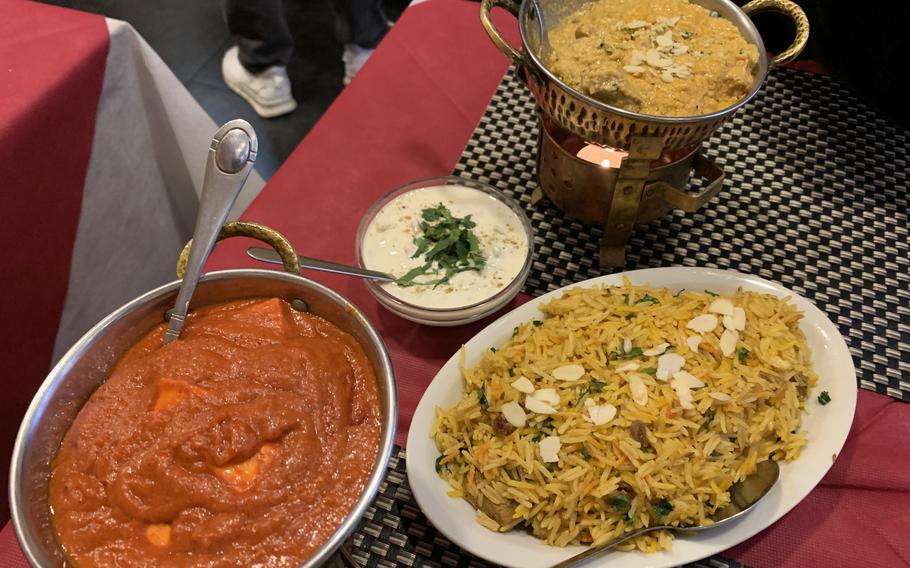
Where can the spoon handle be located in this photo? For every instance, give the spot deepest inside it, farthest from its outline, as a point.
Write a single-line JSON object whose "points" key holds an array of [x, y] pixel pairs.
{"points": [[269, 255], [598, 550], [230, 160]]}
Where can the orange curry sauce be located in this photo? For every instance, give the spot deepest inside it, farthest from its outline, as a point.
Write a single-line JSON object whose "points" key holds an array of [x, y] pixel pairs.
{"points": [[244, 443]]}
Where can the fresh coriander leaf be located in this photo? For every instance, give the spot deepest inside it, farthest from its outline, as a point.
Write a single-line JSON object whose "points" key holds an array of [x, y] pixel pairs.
{"points": [[676, 295], [687, 35], [551, 466], [634, 352], [741, 354], [619, 501], [482, 398], [648, 298], [824, 398], [537, 323], [649, 371], [710, 293], [663, 508], [439, 464], [514, 332], [585, 453], [492, 350], [596, 386]]}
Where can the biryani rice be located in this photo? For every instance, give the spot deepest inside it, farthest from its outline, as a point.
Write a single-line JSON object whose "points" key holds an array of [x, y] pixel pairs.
{"points": [[689, 459]]}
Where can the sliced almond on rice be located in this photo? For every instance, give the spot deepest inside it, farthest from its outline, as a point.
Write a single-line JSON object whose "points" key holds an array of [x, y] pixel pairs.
{"points": [[687, 380], [537, 406], [657, 59], [693, 342], [626, 345], [638, 389], [638, 56], [547, 396], [719, 396], [656, 350], [668, 364], [630, 366], [514, 414], [721, 306], [728, 340], [666, 76], [665, 39], [600, 414], [571, 372], [703, 323], [633, 69], [737, 320], [635, 25], [523, 384], [685, 397], [549, 449]]}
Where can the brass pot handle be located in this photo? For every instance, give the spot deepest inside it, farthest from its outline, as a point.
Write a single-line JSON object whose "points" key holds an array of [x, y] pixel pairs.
{"points": [[486, 7], [796, 14], [256, 231]]}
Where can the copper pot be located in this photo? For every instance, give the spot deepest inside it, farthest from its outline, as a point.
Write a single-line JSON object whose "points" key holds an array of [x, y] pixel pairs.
{"points": [[603, 124], [88, 363]]}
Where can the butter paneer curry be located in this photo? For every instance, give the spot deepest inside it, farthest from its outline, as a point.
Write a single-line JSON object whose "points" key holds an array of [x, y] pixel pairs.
{"points": [[244, 443]]}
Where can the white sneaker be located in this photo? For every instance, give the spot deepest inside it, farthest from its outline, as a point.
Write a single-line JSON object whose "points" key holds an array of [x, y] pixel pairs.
{"points": [[354, 57], [269, 92]]}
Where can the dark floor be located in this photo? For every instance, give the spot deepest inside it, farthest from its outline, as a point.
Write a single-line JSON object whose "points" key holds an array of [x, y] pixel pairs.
{"points": [[191, 37]]}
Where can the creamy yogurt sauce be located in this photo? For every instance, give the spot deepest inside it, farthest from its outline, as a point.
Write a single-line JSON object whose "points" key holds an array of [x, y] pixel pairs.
{"points": [[388, 245]]}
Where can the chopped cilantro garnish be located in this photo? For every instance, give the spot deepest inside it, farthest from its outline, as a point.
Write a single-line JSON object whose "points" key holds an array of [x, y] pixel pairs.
{"points": [[551, 466], [537, 323], [492, 350], [741, 354], [676, 295], [687, 35], [596, 386], [448, 246], [709, 417], [634, 352], [710, 293], [663, 508], [619, 501], [439, 465], [482, 398], [648, 298], [514, 332], [585, 453], [824, 398], [649, 371]]}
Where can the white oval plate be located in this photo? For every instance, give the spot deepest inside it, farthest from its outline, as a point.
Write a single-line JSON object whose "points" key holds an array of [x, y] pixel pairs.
{"points": [[826, 430]]}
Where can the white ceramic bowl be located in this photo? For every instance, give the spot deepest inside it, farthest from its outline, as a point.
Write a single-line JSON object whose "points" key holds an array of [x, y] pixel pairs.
{"points": [[826, 430], [457, 315]]}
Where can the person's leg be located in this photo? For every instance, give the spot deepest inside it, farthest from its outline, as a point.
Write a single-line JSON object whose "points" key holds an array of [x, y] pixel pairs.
{"points": [[256, 68], [360, 26], [260, 31]]}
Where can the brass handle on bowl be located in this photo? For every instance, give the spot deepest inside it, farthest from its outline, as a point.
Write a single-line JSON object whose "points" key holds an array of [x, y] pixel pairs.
{"points": [[688, 202], [256, 231], [796, 14], [486, 18]]}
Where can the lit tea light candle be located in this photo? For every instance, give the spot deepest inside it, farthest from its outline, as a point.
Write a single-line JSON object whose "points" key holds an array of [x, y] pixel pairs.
{"points": [[602, 156]]}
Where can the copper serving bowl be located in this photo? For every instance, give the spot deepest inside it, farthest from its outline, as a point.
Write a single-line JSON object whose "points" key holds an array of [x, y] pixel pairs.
{"points": [[89, 362], [607, 125]]}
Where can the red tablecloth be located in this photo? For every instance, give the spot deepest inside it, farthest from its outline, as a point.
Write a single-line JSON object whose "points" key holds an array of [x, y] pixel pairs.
{"points": [[408, 115]]}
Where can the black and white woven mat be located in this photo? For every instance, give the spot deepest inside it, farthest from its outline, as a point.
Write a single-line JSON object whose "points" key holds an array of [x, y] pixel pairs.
{"points": [[815, 198]]}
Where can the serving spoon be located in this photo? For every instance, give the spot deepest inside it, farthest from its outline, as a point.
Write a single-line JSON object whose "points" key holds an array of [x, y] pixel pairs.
{"points": [[230, 160], [269, 255], [743, 497]]}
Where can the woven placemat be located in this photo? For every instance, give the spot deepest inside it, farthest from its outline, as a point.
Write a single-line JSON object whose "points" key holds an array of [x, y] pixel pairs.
{"points": [[815, 198]]}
